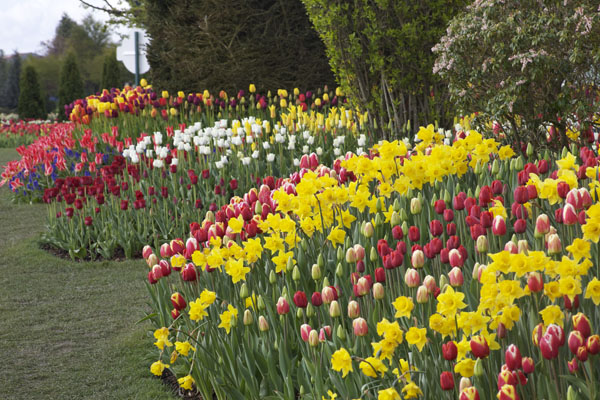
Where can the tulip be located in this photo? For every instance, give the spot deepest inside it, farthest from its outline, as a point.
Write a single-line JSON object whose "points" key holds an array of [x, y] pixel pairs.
{"points": [[557, 331], [353, 309], [379, 274], [549, 345], [447, 380], [175, 313], [528, 365], [449, 351], [523, 246], [573, 365], [378, 291], [481, 245], [521, 195], [562, 188], [455, 277], [435, 228], [554, 244], [334, 309], [455, 258], [479, 346], [463, 384], [582, 324], [305, 330], [359, 252], [178, 301], [368, 230], [283, 307], [511, 247], [448, 215], [412, 278], [582, 354], [535, 282], [415, 206], [469, 393], [499, 226], [569, 215], [439, 206], [417, 259], [593, 344], [248, 318], [360, 327], [146, 251], [513, 357], [300, 299], [429, 283], [397, 232], [189, 273], [263, 325], [316, 299], [520, 225], [508, 392], [575, 341], [165, 250], [329, 294], [506, 377], [422, 295], [151, 278], [313, 338], [324, 333], [413, 234], [350, 255]]}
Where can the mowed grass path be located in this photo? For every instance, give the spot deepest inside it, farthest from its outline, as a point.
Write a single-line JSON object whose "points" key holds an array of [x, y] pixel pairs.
{"points": [[67, 329]]}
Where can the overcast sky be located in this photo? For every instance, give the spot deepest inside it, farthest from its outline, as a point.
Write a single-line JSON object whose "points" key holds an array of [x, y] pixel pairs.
{"points": [[26, 23]]}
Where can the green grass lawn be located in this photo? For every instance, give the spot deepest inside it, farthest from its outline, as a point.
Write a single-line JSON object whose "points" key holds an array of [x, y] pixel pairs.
{"points": [[67, 329]]}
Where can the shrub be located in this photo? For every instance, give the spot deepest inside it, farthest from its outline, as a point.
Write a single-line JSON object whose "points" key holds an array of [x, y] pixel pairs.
{"points": [[529, 65], [111, 75]]}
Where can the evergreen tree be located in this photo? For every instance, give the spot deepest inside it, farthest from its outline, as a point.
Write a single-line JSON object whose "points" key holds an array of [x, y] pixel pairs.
{"points": [[71, 85], [110, 72], [3, 77], [12, 83], [31, 104]]}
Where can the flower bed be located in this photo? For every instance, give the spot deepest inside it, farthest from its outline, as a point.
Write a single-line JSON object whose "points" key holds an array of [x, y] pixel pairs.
{"points": [[446, 270]]}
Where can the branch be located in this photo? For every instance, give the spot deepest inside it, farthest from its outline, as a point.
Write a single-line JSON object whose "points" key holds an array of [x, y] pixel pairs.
{"points": [[111, 10]]}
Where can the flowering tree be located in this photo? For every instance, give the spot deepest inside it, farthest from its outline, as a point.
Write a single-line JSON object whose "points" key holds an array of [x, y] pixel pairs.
{"points": [[528, 64]]}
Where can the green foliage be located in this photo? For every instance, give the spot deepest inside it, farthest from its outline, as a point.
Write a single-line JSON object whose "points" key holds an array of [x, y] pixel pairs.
{"points": [[380, 52], [71, 85], [31, 103], [216, 44], [111, 75], [527, 65]]}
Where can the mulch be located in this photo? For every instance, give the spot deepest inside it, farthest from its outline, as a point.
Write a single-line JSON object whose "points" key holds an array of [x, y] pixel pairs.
{"points": [[169, 379]]}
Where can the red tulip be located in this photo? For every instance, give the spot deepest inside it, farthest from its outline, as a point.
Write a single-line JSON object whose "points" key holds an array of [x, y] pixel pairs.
{"points": [[300, 299], [513, 357], [189, 273], [449, 351], [549, 346], [479, 346], [178, 301], [499, 226], [447, 380], [283, 307]]}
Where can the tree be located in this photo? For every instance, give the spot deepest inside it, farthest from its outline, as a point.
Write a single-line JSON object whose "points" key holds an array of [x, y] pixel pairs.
{"points": [[380, 52], [11, 91], [228, 44], [3, 78], [71, 85], [31, 103], [110, 73], [528, 65], [58, 45]]}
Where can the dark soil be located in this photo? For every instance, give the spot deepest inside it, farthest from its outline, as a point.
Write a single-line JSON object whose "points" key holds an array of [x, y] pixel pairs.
{"points": [[170, 380], [64, 254]]}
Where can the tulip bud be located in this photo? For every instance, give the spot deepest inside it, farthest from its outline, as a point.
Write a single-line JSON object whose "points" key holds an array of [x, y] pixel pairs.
{"points": [[412, 278], [582, 354], [415, 206], [379, 274], [300, 313], [334, 309], [573, 365], [189, 273], [263, 325], [300, 299], [368, 230], [523, 246], [315, 272], [146, 251], [479, 346], [571, 395], [248, 317], [429, 283], [395, 220], [482, 245], [152, 260], [378, 291], [305, 330], [296, 273], [478, 369], [569, 215], [360, 326], [310, 310], [549, 345], [341, 333], [554, 244]]}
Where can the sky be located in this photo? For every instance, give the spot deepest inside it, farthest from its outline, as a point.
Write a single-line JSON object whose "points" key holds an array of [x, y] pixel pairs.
{"points": [[27, 23]]}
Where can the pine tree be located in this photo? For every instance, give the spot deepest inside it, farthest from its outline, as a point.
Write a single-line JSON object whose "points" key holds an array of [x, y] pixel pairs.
{"points": [[31, 103], [110, 72], [3, 78], [71, 85]]}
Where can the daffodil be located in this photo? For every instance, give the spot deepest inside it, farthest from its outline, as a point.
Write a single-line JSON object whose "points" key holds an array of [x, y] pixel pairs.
{"points": [[341, 361]]}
